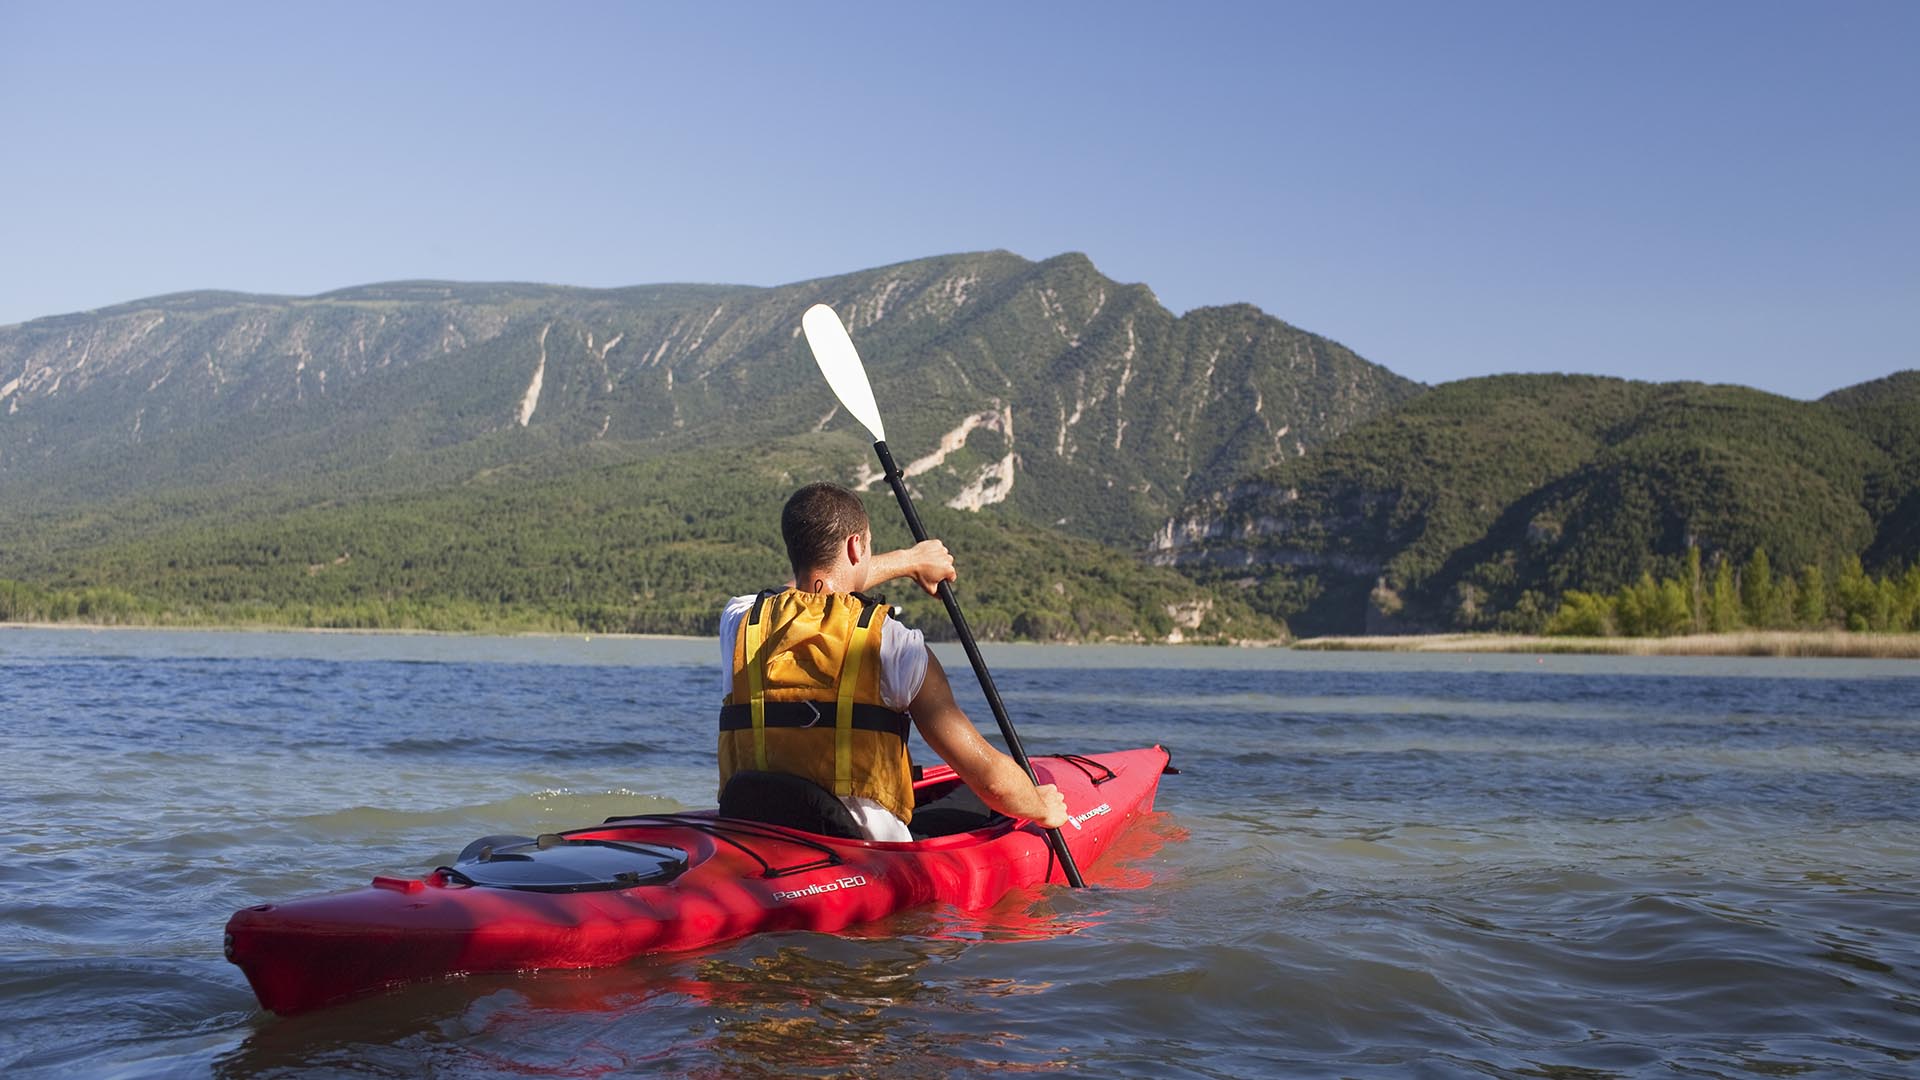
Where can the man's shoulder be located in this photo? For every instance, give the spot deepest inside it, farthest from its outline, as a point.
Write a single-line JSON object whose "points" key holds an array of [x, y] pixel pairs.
{"points": [[897, 631], [733, 612]]}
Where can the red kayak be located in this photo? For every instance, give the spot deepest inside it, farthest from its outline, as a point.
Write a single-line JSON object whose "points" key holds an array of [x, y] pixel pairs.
{"points": [[600, 896]]}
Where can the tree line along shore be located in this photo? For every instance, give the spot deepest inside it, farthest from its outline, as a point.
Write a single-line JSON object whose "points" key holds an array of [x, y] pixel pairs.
{"points": [[1750, 598], [1784, 643], [1748, 610]]}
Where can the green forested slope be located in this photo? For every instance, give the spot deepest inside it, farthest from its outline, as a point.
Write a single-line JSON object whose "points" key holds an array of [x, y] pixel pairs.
{"points": [[1887, 411], [1477, 505], [654, 546]]}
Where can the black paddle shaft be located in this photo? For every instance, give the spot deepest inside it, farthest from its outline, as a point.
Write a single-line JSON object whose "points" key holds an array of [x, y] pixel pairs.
{"points": [[898, 482]]}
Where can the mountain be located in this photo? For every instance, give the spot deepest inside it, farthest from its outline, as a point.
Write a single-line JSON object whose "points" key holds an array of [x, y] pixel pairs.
{"points": [[1476, 505], [1045, 386], [1887, 412], [177, 440]]}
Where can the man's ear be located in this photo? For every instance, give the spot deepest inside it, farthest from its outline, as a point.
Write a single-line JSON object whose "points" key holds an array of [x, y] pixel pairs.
{"points": [[854, 555]]}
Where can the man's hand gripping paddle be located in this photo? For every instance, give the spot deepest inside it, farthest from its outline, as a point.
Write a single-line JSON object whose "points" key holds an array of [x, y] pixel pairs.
{"points": [[833, 351]]}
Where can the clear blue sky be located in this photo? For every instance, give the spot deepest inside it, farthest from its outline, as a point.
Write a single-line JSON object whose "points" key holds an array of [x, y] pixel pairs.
{"points": [[1702, 190]]}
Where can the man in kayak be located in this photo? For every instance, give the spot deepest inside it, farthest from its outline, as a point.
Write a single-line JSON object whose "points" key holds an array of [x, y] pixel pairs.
{"points": [[821, 683]]}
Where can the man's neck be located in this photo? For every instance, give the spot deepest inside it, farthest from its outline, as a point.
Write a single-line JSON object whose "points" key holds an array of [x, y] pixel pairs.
{"points": [[836, 579]]}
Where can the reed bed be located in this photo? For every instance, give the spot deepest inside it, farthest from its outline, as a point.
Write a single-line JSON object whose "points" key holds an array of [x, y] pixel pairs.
{"points": [[1822, 643]]}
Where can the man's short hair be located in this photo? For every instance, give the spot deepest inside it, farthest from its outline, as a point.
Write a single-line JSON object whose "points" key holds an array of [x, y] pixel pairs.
{"points": [[815, 521]]}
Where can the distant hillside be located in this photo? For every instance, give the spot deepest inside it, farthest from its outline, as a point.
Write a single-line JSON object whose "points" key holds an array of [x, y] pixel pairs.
{"points": [[1887, 411], [178, 440], [1046, 387], [1476, 505], [650, 546]]}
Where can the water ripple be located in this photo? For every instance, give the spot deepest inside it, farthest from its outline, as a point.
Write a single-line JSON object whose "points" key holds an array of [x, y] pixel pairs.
{"points": [[1372, 866]]}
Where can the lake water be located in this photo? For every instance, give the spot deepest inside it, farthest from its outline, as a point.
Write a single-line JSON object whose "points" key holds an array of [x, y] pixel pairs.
{"points": [[1373, 865]]}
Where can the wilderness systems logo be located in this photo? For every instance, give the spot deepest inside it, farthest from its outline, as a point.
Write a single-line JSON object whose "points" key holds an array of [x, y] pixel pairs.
{"points": [[851, 882], [1103, 808]]}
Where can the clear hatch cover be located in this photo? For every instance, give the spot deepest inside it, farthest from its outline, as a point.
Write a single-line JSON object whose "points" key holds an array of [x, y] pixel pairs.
{"points": [[554, 863]]}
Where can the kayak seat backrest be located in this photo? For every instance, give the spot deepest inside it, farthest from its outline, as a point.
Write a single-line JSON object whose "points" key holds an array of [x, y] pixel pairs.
{"points": [[784, 799]]}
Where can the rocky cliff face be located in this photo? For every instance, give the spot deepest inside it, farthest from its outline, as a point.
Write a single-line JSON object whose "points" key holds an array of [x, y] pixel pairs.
{"points": [[1045, 389]]}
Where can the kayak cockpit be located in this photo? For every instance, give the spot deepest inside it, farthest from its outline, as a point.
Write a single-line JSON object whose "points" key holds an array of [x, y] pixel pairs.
{"points": [[943, 806]]}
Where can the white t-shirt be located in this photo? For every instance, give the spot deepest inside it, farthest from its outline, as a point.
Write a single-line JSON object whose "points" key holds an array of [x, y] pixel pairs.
{"points": [[903, 667]]}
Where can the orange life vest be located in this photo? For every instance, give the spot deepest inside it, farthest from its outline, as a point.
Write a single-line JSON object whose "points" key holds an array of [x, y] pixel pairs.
{"points": [[806, 698]]}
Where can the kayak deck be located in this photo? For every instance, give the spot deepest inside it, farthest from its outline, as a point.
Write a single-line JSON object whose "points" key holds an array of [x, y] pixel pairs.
{"points": [[692, 880]]}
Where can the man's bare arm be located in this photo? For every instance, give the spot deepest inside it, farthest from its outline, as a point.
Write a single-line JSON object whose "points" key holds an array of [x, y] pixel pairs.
{"points": [[995, 777], [928, 563]]}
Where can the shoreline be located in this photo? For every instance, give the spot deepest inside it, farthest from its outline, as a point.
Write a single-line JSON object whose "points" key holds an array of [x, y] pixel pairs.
{"points": [[1830, 644], [271, 628], [1836, 644], [262, 628]]}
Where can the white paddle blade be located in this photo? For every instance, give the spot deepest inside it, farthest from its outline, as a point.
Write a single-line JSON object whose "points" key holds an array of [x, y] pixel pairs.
{"points": [[833, 351]]}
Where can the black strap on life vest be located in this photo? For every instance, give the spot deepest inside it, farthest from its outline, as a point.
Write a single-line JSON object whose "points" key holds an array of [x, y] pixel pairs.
{"points": [[868, 606], [760, 601], [806, 714]]}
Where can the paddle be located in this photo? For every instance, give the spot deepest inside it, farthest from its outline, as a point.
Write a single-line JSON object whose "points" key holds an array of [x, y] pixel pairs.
{"points": [[833, 351]]}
